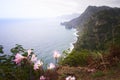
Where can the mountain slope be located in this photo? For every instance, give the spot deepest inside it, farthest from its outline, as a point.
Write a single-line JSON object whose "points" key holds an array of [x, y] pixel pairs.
{"points": [[98, 27], [84, 16], [101, 30], [96, 54], [98, 34]]}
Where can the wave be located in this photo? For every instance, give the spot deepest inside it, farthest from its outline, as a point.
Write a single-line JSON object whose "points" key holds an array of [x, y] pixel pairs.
{"points": [[75, 40]]}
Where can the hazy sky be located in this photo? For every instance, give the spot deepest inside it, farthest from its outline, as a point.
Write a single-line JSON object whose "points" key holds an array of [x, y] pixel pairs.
{"points": [[48, 8]]}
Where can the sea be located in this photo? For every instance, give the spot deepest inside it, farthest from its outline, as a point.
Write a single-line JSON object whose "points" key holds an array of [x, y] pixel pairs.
{"points": [[43, 35]]}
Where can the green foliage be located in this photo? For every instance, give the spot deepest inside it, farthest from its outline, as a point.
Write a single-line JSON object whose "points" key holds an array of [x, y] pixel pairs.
{"points": [[1, 49], [76, 58], [23, 70], [18, 48], [100, 31], [98, 74], [10, 71]]}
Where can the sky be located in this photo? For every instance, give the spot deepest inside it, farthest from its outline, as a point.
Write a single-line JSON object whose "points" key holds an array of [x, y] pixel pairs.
{"points": [[48, 8]]}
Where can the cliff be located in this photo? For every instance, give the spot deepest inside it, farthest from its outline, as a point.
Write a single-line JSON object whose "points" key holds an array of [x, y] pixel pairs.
{"points": [[79, 21], [99, 30], [96, 54], [98, 27]]}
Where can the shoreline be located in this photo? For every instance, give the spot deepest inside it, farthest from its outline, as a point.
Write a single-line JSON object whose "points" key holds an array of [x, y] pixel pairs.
{"points": [[76, 38]]}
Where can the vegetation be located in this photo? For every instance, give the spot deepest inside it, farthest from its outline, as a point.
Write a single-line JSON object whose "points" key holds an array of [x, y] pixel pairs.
{"points": [[96, 55], [98, 74], [100, 32], [21, 65], [97, 49]]}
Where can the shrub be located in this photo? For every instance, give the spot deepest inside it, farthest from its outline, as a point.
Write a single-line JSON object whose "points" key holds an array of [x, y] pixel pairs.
{"points": [[98, 74], [114, 55], [24, 65], [76, 58]]}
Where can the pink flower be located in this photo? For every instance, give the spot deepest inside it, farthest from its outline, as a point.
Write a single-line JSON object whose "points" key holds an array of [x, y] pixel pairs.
{"points": [[29, 52], [70, 78], [51, 66], [73, 78], [18, 58], [56, 54], [36, 67], [91, 70], [38, 64], [33, 58], [42, 78]]}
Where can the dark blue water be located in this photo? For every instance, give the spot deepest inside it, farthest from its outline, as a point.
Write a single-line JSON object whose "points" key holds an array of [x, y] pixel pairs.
{"points": [[43, 35]]}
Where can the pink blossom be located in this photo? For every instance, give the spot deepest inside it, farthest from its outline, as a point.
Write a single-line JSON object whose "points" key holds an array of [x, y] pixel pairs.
{"points": [[42, 78], [38, 64], [51, 66], [18, 58], [33, 58], [91, 70], [70, 78], [73, 78], [56, 54], [36, 67], [29, 52]]}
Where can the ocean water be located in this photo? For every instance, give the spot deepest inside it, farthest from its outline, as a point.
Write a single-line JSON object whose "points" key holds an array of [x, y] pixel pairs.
{"points": [[42, 35]]}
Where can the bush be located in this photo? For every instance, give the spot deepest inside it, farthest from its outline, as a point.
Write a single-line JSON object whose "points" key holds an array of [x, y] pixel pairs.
{"points": [[114, 55], [76, 58], [98, 74], [23, 65]]}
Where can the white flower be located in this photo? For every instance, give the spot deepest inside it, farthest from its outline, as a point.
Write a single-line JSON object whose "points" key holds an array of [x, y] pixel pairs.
{"points": [[29, 52], [33, 58], [18, 58], [51, 66], [73, 78], [91, 70], [70, 78], [42, 78], [38, 64], [36, 67], [56, 54]]}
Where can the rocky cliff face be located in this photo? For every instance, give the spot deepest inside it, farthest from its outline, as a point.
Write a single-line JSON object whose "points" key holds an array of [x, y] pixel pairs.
{"points": [[99, 27], [100, 31], [79, 21]]}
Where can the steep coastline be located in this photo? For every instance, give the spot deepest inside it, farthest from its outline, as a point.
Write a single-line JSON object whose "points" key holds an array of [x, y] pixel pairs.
{"points": [[75, 40], [93, 20], [80, 21], [100, 31], [97, 51]]}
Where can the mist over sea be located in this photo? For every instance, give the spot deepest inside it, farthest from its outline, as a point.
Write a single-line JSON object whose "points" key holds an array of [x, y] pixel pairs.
{"points": [[42, 35]]}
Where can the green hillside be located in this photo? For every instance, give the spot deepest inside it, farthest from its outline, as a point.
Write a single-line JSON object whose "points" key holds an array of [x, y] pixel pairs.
{"points": [[99, 35], [100, 31]]}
